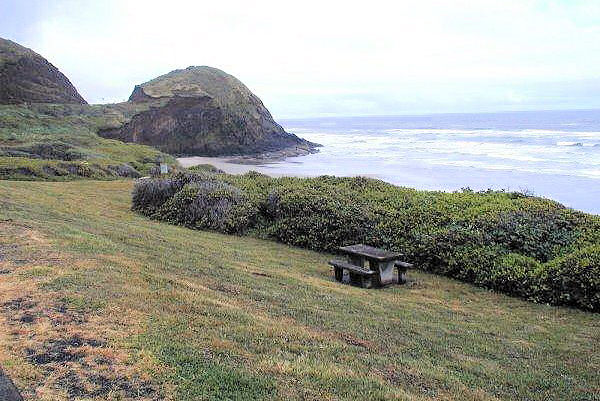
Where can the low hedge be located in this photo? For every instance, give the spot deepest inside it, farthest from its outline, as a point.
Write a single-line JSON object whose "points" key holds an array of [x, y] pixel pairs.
{"points": [[510, 242]]}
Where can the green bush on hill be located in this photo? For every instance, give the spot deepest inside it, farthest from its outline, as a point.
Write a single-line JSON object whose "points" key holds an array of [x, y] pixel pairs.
{"points": [[510, 242]]}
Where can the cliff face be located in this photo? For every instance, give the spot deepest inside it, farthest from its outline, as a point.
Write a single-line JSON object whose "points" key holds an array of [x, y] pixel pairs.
{"points": [[27, 77], [204, 111]]}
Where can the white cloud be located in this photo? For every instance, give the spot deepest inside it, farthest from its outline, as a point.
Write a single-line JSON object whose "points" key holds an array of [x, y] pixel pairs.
{"points": [[307, 49]]}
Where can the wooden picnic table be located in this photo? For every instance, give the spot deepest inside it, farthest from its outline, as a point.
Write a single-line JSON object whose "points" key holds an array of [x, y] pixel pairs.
{"points": [[369, 266]]}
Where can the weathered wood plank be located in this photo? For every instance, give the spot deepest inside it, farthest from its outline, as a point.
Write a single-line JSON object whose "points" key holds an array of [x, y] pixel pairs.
{"points": [[350, 267]]}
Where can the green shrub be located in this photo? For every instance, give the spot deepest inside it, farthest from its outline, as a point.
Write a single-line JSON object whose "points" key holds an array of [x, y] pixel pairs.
{"points": [[205, 167], [313, 220], [149, 194], [573, 279], [539, 233], [514, 274], [210, 205], [517, 244]]}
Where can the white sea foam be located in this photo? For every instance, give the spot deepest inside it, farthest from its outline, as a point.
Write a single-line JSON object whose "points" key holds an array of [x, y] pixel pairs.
{"points": [[529, 150]]}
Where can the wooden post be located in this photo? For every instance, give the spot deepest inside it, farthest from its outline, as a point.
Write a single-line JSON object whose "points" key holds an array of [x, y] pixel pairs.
{"points": [[339, 273]]}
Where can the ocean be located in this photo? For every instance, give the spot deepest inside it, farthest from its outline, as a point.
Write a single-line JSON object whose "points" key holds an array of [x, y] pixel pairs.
{"points": [[553, 154]]}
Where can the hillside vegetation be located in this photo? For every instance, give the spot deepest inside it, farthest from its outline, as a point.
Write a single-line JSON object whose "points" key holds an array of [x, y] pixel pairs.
{"points": [[521, 245], [98, 302], [59, 142], [27, 77]]}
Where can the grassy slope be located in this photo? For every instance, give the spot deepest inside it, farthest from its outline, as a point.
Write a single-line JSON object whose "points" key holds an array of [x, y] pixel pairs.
{"points": [[222, 317], [23, 128]]}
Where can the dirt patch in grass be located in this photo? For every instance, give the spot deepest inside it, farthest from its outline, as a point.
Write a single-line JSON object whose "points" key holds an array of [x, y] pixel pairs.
{"points": [[52, 350], [407, 379], [225, 288], [352, 340], [259, 274]]}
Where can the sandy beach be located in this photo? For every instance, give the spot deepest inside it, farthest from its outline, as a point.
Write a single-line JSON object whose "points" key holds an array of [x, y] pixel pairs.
{"points": [[232, 165]]}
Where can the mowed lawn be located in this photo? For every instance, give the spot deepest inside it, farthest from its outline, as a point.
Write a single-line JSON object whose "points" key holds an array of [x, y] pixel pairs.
{"points": [[97, 302]]}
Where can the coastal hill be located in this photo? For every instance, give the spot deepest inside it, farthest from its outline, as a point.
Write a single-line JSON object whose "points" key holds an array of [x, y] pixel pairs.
{"points": [[27, 77], [205, 111], [49, 132]]}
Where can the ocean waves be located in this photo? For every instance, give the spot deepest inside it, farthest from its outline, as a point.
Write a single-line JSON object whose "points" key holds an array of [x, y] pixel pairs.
{"points": [[536, 151], [554, 154]]}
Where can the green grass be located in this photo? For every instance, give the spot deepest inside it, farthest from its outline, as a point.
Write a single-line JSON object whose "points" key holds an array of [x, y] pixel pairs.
{"points": [[228, 318], [59, 142]]}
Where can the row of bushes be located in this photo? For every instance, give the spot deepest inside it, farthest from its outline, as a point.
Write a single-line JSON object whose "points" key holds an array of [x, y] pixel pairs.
{"points": [[27, 169], [521, 245]]}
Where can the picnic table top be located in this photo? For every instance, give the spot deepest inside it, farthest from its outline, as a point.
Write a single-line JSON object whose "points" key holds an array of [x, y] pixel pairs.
{"points": [[371, 252]]}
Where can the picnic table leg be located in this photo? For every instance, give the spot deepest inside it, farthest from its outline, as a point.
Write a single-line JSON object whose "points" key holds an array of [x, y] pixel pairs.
{"points": [[401, 275], [374, 265], [386, 272], [355, 279], [339, 273], [360, 280]]}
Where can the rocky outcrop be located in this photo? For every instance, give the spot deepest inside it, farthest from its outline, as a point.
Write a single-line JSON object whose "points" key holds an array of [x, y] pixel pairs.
{"points": [[27, 77], [204, 111]]}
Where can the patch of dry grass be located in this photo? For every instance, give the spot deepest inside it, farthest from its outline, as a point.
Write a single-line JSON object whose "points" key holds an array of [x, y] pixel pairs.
{"points": [[56, 347]]}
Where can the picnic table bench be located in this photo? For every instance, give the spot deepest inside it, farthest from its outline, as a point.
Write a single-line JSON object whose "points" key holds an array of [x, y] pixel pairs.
{"points": [[368, 266]]}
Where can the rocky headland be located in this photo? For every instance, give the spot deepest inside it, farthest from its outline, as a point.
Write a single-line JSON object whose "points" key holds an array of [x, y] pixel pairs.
{"points": [[203, 111]]}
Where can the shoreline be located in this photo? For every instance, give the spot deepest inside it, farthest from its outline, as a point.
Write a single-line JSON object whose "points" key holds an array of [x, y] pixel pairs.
{"points": [[244, 164], [230, 164], [241, 164]]}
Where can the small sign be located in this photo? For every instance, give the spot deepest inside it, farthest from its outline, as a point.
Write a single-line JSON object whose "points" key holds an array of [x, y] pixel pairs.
{"points": [[164, 169]]}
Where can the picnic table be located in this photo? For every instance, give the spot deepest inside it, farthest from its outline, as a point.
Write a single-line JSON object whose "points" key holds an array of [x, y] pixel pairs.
{"points": [[368, 266]]}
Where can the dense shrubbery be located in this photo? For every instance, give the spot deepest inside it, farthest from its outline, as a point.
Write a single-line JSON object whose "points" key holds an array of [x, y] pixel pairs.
{"points": [[195, 200], [525, 246]]}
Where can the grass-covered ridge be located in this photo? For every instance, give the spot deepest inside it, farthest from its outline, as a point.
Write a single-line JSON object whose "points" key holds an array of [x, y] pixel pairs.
{"points": [[59, 142], [517, 244], [170, 313]]}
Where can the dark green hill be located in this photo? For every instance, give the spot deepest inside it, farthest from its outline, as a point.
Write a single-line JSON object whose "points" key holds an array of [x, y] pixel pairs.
{"points": [[205, 111], [27, 77]]}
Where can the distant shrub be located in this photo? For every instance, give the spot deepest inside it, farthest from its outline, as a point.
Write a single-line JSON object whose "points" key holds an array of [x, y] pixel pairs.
{"points": [[22, 168], [514, 243], [205, 167]]}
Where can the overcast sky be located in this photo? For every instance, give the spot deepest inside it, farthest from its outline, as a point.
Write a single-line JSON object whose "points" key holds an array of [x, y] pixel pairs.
{"points": [[318, 58]]}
